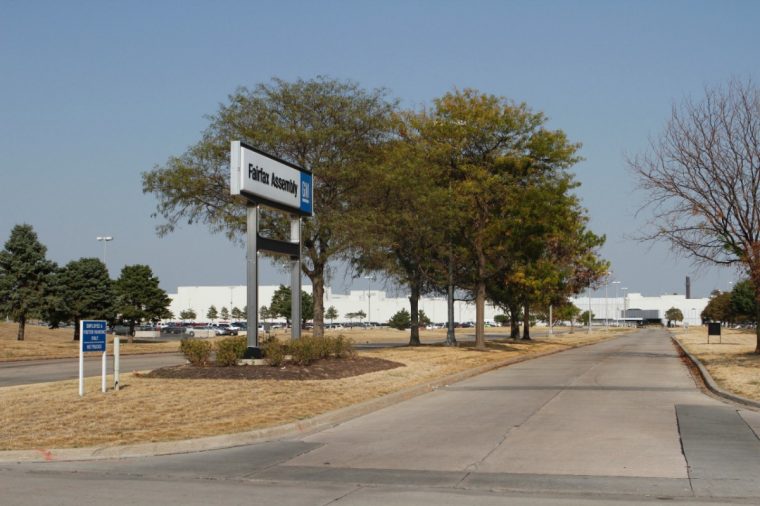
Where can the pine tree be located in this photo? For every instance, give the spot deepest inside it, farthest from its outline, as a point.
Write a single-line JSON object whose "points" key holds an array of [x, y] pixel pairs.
{"points": [[139, 296], [24, 276]]}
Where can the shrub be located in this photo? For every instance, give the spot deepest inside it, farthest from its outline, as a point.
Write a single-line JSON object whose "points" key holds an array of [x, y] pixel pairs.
{"points": [[343, 347], [230, 350], [274, 352], [305, 350], [196, 351]]}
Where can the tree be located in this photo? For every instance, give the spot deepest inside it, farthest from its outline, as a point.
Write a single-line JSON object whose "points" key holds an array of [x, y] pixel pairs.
{"points": [[718, 308], [139, 296], [361, 315], [331, 314], [24, 276], [401, 320], [673, 315], [237, 314], [224, 313], [281, 304], [187, 314], [422, 319], [584, 317], [84, 291], [743, 302], [401, 219], [568, 312], [212, 313], [330, 127], [703, 180], [501, 319], [495, 153]]}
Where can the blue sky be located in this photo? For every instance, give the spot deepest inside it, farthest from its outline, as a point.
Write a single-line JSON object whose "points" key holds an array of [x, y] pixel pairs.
{"points": [[94, 93]]}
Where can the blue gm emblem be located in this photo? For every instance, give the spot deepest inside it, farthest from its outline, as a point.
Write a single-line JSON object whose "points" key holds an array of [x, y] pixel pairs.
{"points": [[306, 204]]}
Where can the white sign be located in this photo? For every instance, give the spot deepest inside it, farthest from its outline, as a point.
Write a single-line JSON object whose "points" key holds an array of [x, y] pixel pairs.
{"points": [[270, 181]]}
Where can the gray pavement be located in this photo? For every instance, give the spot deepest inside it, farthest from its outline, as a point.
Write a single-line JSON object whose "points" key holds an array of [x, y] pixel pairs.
{"points": [[621, 422], [42, 371]]}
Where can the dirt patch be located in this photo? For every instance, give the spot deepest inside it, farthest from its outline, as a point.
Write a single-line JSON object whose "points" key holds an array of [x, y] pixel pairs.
{"points": [[320, 370]]}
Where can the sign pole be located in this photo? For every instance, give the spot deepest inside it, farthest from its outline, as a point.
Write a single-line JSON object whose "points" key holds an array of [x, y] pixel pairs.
{"points": [[252, 275], [295, 280], [81, 358], [116, 352], [103, 373]]}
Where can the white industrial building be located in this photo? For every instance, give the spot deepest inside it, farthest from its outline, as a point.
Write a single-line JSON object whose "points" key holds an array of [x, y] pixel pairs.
{"points": [[376, 304], [635, 307], [379, 306]]}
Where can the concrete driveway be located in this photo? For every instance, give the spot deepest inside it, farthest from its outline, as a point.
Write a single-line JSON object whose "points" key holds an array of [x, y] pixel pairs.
{"points": [[620, 422]]}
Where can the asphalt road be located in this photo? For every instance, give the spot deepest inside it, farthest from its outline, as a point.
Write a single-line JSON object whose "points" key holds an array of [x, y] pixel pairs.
{"points": [[620, 422], [41, 371]]}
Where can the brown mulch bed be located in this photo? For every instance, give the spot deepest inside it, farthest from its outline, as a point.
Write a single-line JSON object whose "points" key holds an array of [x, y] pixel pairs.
{"points": [[319, 370]]}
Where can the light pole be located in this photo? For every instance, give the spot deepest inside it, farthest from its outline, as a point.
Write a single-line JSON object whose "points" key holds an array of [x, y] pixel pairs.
{"points": [[369, 299], [617, 308], [105, 239], [625, 310], [606, 319]]}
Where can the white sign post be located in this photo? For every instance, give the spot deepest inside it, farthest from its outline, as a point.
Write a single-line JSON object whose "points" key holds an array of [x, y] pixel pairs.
{"points": [[92, 338]]}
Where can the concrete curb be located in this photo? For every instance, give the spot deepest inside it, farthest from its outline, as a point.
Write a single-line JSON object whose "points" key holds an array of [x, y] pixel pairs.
{"points": [[295, 429], [710, 382]]}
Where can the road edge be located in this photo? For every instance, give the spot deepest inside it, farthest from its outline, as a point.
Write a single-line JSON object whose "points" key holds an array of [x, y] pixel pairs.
{"points": [[293, 429], [708, 380]]}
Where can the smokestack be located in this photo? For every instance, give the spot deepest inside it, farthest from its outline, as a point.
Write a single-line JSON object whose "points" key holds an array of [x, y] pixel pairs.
{"points": [[688, 287]]}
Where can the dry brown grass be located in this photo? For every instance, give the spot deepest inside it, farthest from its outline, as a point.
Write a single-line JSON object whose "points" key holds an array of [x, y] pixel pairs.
{"points": [[730, 360], [41, 342], [52, 415]]}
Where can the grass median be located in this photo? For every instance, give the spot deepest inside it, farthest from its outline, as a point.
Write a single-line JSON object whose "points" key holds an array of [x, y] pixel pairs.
{"points": [[52, 415], [730, 358]]}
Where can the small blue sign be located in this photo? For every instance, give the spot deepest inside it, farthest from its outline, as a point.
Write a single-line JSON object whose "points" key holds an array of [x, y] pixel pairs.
{"points": [[93, 336], [306, 194]]}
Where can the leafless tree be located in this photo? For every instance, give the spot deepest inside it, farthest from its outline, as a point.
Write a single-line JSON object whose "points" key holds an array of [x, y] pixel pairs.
{"points": [[703, 179]]}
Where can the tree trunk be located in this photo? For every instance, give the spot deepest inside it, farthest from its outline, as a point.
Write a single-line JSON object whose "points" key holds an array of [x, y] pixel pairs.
{"points": [[480, 306], [414, 304], [318, 293], [526, 323], [21, 327], [76, 328], [514, 325]]}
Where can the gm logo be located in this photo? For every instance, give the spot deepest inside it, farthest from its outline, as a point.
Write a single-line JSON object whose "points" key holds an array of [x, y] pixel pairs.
{"points": [[306, 187]]}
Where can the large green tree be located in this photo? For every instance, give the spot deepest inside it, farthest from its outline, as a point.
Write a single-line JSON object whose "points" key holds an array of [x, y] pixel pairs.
{"points": [[24, 277], [495, 153], [84, 291], [401, 219], [330, 127], [139, 297]]}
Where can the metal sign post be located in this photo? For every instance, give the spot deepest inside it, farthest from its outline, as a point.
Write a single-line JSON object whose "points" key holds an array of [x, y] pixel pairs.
{"points": [[265, 180], [92, 338]]}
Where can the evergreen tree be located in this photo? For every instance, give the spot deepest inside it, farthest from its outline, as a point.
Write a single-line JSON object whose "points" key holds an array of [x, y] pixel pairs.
{"points": [[212, 313], [224, 313], [331, 314], [187, 314], [85, 292], [237, 314], [24, 277], [139, 296], [281, 304], [401, 320]]}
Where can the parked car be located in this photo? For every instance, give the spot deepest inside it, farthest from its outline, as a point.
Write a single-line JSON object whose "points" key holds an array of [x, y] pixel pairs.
{"points": [[225, 329]]}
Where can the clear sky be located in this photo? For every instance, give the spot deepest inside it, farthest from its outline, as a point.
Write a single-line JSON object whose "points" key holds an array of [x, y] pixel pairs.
{"points": [[93, 93]]}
